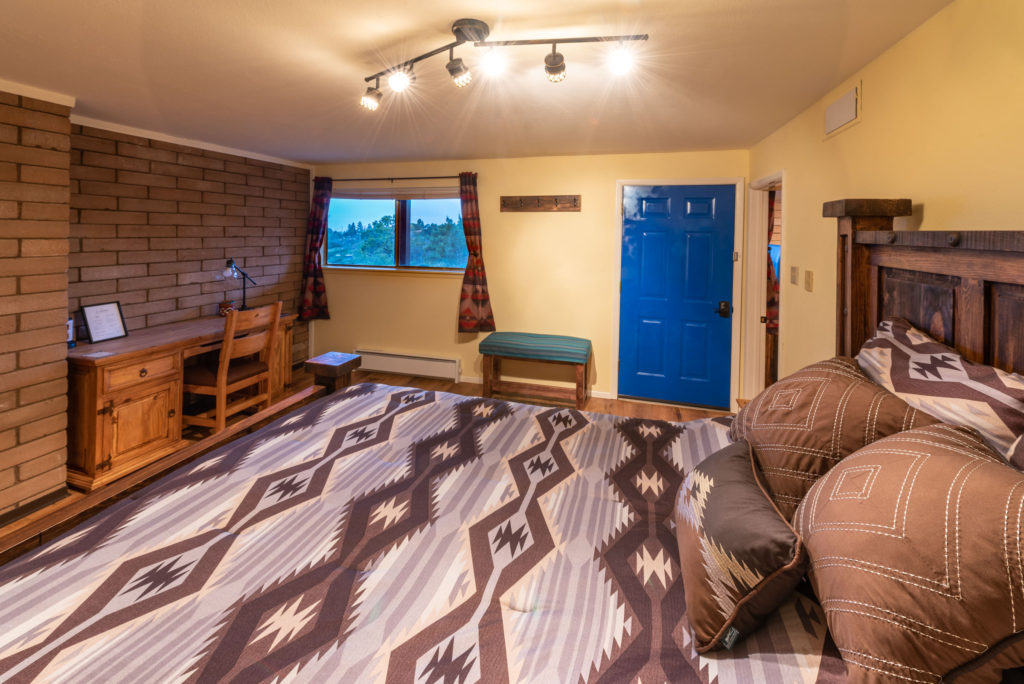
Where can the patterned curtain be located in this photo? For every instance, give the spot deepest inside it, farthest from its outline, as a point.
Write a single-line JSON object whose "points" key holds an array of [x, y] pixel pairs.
{"points": [[475, 313], [313, 297]]}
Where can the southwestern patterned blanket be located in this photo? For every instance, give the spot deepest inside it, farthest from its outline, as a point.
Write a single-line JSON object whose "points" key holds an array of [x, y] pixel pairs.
{"points": [[396, 535]]}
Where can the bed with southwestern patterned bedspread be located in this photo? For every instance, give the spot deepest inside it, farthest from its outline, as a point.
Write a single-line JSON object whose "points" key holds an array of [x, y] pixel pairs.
{"points": [[397, 535]]}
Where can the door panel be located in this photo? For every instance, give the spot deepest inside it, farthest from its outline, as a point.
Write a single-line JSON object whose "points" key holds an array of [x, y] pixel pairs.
{"points": [[677, 244], [651, 348], [693, 358], [654, 266]]}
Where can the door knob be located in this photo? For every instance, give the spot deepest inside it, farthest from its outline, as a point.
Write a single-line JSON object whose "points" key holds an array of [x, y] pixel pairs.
{"points": [[724, 309]]}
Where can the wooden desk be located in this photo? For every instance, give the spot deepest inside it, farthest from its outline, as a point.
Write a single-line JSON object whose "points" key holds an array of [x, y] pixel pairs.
{"points": [[125, 395]]}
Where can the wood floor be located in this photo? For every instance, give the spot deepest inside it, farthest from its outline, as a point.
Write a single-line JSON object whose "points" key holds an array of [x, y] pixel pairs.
{"points": [[616, 407]]}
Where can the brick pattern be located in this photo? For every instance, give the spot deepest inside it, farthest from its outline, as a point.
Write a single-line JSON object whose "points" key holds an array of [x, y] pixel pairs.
{"points": [[35, 144], [153, 223]]}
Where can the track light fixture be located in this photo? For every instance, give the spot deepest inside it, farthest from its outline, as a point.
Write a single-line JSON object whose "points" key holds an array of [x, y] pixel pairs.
{"points": [[371, 98], [457, 69], [400, 80], [400, 76], [554, 65]]}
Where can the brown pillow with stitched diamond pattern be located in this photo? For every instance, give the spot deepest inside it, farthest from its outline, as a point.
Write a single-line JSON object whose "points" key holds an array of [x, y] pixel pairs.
{"points": [[805, 423], [915, 547]]}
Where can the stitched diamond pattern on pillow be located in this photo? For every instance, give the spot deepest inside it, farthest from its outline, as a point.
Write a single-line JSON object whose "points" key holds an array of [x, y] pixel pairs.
{"points": [[915, 554], [931, 377], [803, 424]]}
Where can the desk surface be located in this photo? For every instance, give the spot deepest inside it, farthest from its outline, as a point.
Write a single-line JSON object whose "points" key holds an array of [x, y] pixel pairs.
{"points": [[158, 338]]}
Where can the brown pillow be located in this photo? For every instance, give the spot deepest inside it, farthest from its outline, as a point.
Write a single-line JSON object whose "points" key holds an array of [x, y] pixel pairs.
{"points": [[739, 558], [915, 544], [936, 379], [803, 424]]}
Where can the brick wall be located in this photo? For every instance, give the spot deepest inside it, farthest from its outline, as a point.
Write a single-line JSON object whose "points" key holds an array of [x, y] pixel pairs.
{"points": [[152, 224], [34, 158]]}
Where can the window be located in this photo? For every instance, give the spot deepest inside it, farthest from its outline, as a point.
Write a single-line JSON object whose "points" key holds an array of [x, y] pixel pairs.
{"points": [[414, 233]]}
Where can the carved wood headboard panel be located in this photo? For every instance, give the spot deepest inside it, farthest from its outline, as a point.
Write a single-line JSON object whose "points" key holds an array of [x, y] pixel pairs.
{"points": [[964, 288]]}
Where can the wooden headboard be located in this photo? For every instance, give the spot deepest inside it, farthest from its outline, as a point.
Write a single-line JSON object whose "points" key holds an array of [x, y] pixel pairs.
{"points": [[964, 288]]}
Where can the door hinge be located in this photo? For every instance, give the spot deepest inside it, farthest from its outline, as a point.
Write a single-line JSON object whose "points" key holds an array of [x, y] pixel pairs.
{"points": [[104, 464], [735, 256], [107, 408]]}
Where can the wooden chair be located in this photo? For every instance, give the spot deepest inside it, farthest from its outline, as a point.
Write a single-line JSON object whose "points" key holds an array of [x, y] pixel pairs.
{"points": [[246, 334]]}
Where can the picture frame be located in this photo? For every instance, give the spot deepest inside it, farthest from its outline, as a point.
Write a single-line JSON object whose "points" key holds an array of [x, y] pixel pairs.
{"points": [[104, 322]]}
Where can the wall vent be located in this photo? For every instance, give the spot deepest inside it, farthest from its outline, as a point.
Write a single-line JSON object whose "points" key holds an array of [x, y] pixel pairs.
{"points": [[842, 111]]}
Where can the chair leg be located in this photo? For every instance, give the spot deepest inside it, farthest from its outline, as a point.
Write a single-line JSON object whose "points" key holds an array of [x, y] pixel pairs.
{"points": [[221, 409], [267, 387]]}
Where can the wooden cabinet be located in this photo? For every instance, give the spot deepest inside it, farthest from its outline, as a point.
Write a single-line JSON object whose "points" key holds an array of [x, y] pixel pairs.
{"points": [[122, 417], [125, 396]]}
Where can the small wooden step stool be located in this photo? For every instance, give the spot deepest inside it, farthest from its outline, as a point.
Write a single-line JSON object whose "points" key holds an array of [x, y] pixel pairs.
{"points": [[333, 370]]}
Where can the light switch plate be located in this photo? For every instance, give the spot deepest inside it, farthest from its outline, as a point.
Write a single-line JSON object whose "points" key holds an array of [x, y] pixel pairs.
{"points": [[809, 281], [794, 275]]}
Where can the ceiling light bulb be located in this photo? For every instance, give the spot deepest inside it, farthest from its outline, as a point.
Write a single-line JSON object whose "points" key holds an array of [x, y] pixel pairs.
{"points": [[493, 63], [554, 67], [371, 99], [461, 75], [399, 81], [620, 61]]}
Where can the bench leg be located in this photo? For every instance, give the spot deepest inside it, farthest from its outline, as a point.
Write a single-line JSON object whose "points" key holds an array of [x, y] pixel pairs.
{"points": [[330, 383], [488, 375], [581, 385]]}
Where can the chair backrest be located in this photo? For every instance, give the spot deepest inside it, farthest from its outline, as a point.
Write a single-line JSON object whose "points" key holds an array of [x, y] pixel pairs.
{"points": [[249, 332]]}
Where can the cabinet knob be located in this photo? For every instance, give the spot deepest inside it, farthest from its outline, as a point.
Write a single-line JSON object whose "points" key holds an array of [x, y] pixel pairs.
{"points": [[143, 372]]}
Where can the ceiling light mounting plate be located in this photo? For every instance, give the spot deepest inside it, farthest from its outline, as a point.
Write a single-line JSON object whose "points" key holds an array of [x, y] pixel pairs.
{"points": [[470, 30]]}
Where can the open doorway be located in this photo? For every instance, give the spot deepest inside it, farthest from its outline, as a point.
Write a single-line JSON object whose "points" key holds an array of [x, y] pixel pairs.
{"points": [[774, 268], [763, 271]]}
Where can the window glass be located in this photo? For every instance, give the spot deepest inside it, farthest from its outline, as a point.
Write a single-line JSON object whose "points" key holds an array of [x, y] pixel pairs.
{"points": [[365, 232], [435, 233], [361, 232]]}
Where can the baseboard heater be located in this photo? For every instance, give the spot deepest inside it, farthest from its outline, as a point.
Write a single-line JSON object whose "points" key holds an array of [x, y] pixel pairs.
{"points": [[408, 364]]}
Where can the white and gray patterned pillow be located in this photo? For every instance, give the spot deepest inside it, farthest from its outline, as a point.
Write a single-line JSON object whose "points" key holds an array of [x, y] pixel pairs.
{"points": [[936, 379]]}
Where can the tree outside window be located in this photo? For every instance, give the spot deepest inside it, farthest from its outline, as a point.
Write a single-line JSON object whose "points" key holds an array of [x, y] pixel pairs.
{"points": [[415, 233]]}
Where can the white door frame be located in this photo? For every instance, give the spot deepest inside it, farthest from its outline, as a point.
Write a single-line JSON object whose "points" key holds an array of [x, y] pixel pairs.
{"points": [[737, 271], [755, 290]]}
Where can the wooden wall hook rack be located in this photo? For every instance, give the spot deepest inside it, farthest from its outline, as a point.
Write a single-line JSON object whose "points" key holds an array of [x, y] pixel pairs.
{"points": [[540, 202]]}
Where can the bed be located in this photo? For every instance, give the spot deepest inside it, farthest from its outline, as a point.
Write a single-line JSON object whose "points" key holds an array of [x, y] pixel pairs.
{"points": [[401, 535]]}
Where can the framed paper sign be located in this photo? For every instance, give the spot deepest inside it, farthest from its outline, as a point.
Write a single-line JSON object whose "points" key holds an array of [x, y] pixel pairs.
{"points": [[104, 321]]}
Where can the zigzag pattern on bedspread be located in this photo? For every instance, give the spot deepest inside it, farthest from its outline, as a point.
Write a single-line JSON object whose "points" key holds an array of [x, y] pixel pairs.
{"points": [[396, 535]]}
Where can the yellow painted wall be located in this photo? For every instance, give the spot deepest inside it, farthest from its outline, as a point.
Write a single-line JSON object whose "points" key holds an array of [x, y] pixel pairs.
{"points": [[942, 123], [548, 272]]}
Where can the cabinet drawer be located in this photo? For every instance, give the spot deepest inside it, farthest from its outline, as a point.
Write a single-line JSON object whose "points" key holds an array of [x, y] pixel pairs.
{"points": [[130, 374]]}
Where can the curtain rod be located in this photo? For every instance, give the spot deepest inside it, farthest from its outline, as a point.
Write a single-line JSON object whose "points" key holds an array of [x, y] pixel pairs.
{"points": [[346, 180]]}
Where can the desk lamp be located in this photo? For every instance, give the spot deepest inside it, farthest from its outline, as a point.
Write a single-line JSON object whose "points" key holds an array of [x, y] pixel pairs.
{"points": [[232, 271]]}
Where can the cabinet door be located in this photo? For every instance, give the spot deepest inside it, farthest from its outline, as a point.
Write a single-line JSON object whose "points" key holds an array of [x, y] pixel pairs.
{"points": [[141, 422]]}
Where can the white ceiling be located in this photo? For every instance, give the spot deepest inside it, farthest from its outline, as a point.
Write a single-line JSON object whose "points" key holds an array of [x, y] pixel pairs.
{"points": [[283, 77]]}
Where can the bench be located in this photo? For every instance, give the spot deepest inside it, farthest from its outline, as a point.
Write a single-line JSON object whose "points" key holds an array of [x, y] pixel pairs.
{"points": [[532, 347], [333, 370]]}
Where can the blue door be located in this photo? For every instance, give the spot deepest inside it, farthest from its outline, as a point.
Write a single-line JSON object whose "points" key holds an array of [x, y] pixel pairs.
{"points": [[675, 327]]}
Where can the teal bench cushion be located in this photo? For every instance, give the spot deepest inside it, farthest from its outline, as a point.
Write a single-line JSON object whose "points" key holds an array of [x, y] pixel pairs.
{"points": [[532, 346]]}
